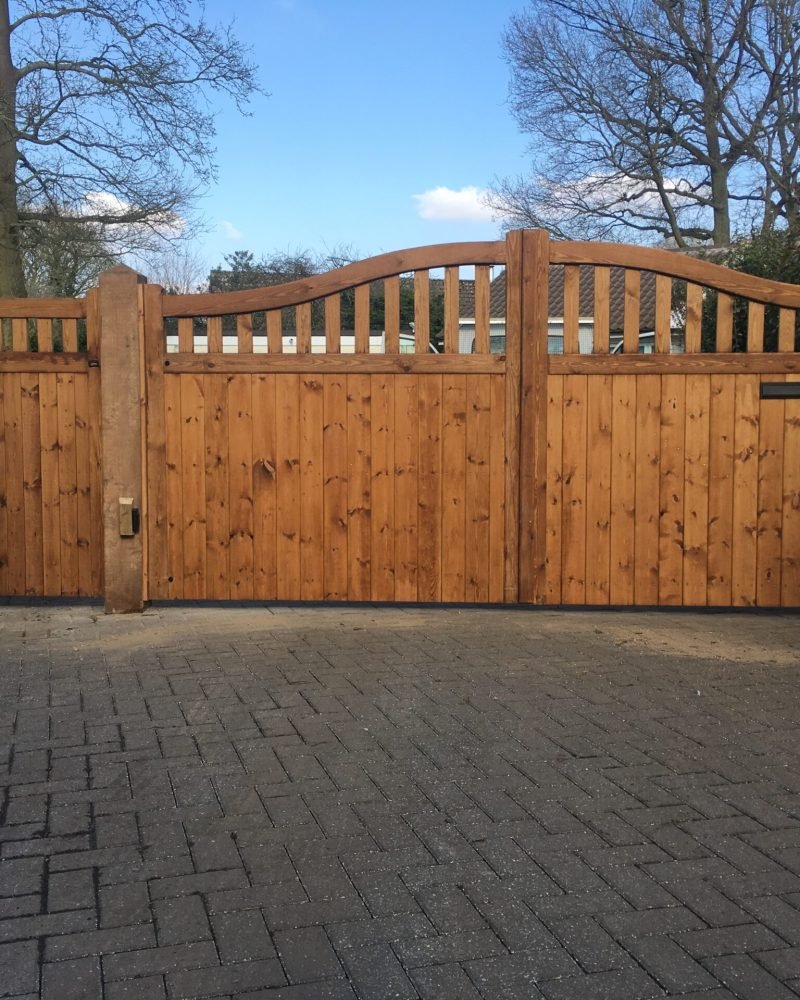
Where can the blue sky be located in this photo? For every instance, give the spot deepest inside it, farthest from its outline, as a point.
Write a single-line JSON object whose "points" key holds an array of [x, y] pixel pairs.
{"points": [[371, 105]]}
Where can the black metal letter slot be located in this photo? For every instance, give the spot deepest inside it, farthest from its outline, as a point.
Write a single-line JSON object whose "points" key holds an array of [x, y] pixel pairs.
{"points": [[780, 390]]}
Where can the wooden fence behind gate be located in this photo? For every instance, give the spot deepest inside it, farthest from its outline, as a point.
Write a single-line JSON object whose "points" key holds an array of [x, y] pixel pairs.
{"points": [[281, 446]]}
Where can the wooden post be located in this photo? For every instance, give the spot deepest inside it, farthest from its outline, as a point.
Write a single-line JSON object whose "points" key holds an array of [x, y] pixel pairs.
{"points": [[121, 403], [533, 417], [514, 274]]}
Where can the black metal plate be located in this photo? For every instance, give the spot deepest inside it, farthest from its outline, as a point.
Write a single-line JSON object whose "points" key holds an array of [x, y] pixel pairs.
{"points": [[780, 390]]}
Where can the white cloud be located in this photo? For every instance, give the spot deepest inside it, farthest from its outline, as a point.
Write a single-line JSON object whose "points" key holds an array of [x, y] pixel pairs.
{"points": [[444, 204], [229, 231]]}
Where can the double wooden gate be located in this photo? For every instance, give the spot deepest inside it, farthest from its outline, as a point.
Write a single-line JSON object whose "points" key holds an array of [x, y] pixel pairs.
{"points": [[280, 445]]}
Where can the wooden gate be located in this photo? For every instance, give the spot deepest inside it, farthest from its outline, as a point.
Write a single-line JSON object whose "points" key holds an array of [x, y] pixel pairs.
{"points": [[605, 425]]}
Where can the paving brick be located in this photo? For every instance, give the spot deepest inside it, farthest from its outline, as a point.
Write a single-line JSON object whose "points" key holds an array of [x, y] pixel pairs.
{"points": [[20, 965], [670, 965], [181, 920], [78, 979], [150, 961], [109, 940], [622, 984], [307, 954], [590, 945], [376, 973], [70, 890], [737, 940], [444, 982], [121, 905], [748, 980]]}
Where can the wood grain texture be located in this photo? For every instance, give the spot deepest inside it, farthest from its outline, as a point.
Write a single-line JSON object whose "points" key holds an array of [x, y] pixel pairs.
{"points": [[648, 478], [671, 474], [422, 312], [720, 489], [574, 490], [432, 499], [312, 517], [240, 487], [477, 489], [602, 292], [695, 518], [555, 479], [744, 510], [482, 309], [623, 490], [32, 485], [382, 487], [630, 332], [453, 488], [359, 486], [334, 440], [451, 310], [599, 410], [287, 436], [406, 480], [770, 502], [308, 364], [675, 364], [790, 533]]}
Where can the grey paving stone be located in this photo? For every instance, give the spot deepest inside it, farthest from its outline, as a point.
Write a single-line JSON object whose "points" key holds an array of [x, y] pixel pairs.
{"points": [[307, 954], [78, 979], [20, 964]]}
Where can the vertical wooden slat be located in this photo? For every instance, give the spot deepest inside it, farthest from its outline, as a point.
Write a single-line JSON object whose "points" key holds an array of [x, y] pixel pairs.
{"points": [[514, 278], [648, 461], [14, 491], [359, 500], [217, 473], [598, 489], [382, 489], [720, 489], [671, 524], [186, 335], [4, 473], [451, 310], [497, 489], [695, 521], [663, 335], [431, 488], [51, 497], [32, 483], [19, 334], [83, 461], [790, 534], [454, 449], [724, 341], [155, 522], [755, 326], [274, 331], [67, 483], [96, 530], [786, 324], [555, 479], [571, 309], [303, 323], [334, 443], [265, 503], [44, 335], [482, 309], [391, 313], [422, 312], [744, 522], [476, 536], [69, 328], [602, 316], [362, 319], [770, 500], [173, 426], [287, 434], [630, 321], [333, 324], [406, 452], [214, 331], [312, 529], [240, 485], [574, 490], [193, 463], [244, 333], [623, 489], [694, 318]]}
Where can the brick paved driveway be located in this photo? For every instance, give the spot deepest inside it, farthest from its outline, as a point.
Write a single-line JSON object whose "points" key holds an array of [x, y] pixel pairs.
{"points": [[336, 803]]}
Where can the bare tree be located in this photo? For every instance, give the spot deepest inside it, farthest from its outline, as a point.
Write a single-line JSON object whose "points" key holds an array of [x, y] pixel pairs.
{"points": [[673, 118], [63, 257], [179, 270], [104, 115]]}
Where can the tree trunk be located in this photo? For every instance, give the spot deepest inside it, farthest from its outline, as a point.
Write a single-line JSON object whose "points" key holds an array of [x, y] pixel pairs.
{"points": [[12, 278], [721, 205]]}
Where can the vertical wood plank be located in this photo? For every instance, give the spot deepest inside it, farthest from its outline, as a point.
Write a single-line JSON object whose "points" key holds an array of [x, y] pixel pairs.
{"points": [[694, 318], [362, 319], [83, 462], [598, 489], [671, 524], [744, 521], [96, 529], [4, 474], [44, 335], [274, 331], [648, 462], [173, 427], [240, 486], [755, 326], [602, 315], [724, 341], [359, 499], [431, 486], [786, 324], [422, 312], [265, 502], [214, 332], [630, 320], [497, 489], [478, 485], [14, 490], [67, 483], [312, 528], [51, 497], [333, 324], [453, 479], [334, 440], [790, 534], [155, 523], [193, 484], [287, 434], [720, 490], [69, 331], [244, 333], [663, 318], [217, 474], [19, 334], [574, 490], [482, 309], [186, 335], [32, 483], [571, 308], [514, 279], [406, 451], [391, 313], [382, 488], [695, 521], [303, 323], [555, 479], [770, 500], [623, 490], [451, 309]]}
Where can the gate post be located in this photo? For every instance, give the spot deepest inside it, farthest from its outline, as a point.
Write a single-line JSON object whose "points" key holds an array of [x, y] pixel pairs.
{"points": [[533, 417], [121, 396]]}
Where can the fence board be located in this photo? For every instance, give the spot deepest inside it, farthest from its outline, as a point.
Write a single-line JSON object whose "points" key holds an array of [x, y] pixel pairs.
{"points": [[194, 487], [670, 533], [648, 461], [422, 312], [430, 489], [770, 501], [287, 436], [359, 500], [744, 512], [574, 490], [4, 475], [724, 340], [174, 480], [240, 486], [602, 292], [217, 475], [598, 489], [482, 309], [630, 332], [571, 309], [663, 333], [555, 479], [382, 488], [694, 318], [497, 490], [312, 526], [406, 457], [720, 489], [334, 438], [68, 484], [333, 324], [391, 313], [362, 319], [477, 490], [695, 519], [451, 310], [453, 481], [623, 490], [32, 483], [15, 500], [790, 534], [83, 459], [755, 326], [265, 505]]}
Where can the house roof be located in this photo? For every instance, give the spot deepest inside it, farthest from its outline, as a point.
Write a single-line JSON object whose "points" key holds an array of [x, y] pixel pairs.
{"points": [[647, 300]]}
